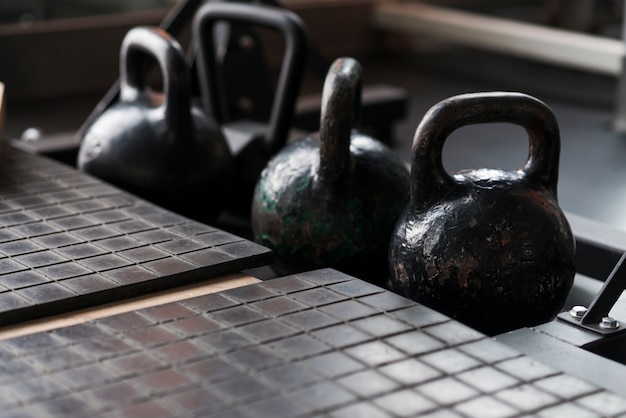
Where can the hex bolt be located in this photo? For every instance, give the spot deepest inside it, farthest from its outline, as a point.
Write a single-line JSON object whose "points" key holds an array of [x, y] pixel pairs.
{"points": [[578, 312], [609, 323], [31, 134]]}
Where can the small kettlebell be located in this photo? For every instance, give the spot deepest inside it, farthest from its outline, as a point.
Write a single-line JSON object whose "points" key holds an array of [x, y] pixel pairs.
{"points": [[332, 198], [157, 145], [490, 248]]}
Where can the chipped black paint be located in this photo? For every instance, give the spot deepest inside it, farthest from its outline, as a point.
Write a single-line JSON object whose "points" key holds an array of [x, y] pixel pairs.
{"points": [[489, 247]]}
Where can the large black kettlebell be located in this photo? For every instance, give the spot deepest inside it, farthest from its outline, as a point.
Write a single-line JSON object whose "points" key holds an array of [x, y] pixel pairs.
{"points": [[489, 247], [157, 145], [251, 144], [333, 198]]}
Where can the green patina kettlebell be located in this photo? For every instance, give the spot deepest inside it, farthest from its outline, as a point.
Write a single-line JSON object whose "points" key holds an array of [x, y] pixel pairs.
{"points": [[156, 144], [489, 247], [332, 198]]}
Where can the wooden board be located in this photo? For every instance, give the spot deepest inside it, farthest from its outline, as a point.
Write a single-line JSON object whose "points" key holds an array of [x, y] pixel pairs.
{"points": [[115, 308], [571, 49], [2, 109]]}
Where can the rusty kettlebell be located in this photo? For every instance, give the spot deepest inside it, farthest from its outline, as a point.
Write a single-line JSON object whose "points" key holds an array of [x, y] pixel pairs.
{"points": [[490, 248], [332, 198], [157, 145]]}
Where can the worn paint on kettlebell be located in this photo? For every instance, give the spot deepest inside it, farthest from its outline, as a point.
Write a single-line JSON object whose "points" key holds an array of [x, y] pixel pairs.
{"points": [[491, 248], [332, 199]]}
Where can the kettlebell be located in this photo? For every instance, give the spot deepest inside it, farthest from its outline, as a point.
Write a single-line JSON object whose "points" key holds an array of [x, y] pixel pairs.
{"points": [[157, 145], [488, 247], [251, 143], [332, 198]]}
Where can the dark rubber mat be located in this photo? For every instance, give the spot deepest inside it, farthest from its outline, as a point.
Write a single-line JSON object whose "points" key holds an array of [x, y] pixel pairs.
{"points": [[313, 344], [68, 240]]}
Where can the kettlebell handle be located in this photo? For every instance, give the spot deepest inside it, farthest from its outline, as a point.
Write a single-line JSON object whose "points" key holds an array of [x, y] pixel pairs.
{"points": [[341, 106], [141, 43], [292, 68], [430, 181]]}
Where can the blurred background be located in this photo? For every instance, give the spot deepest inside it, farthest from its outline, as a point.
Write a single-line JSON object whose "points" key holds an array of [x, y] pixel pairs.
{"points": [[58, 59]]}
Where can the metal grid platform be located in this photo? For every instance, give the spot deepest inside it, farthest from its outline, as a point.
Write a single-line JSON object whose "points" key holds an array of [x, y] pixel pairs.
{"points": [[68, 240], [317, 343]]}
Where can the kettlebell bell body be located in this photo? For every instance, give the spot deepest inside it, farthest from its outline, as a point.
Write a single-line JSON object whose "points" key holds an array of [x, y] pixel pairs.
{"points": [[332, 199], [490, 248], [157, 145]]}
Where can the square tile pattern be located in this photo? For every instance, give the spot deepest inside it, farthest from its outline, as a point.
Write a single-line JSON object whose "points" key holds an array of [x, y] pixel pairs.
{"points": [[68, 240], [278, 349]]}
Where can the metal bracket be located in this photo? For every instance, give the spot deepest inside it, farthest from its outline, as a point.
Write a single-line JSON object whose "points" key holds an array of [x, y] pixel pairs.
{"points": [[596, 318]]}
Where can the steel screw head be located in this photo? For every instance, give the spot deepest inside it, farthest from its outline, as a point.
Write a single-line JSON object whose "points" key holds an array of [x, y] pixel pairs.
{"points": [[609, 323], [31, 134], [578, 312]]}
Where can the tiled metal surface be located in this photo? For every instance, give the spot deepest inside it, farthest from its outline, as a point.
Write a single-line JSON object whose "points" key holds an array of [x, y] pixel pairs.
{"points": [[69, 240], [314, 344]]}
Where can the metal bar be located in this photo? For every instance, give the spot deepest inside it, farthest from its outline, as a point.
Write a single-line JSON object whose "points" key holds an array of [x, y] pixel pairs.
{"points": [[608, 295], [575, 50]]}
